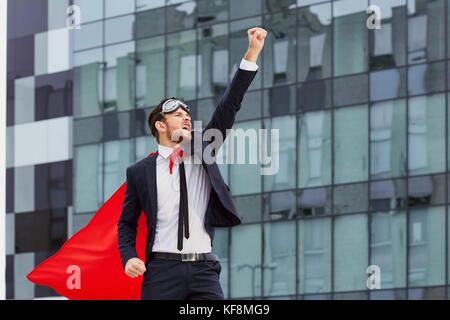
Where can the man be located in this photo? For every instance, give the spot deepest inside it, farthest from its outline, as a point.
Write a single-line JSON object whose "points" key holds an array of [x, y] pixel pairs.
{"points": [[183, 200]]}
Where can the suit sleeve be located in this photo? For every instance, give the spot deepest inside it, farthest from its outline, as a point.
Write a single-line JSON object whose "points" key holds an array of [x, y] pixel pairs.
{"points": [[230, 103], [128, 221]]}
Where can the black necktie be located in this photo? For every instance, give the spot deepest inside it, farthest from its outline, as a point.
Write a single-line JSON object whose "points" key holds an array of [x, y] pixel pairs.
{"points": [[183, 210]]}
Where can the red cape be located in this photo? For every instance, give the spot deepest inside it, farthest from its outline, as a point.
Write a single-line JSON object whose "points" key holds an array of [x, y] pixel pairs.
{"points": [[88, 265]]}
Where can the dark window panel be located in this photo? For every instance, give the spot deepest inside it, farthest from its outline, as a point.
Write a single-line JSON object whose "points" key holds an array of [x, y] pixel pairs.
{"points": [[350, 90], [277, 5], [26, 17], [43, 291], [240, 9], [249, 207], [315, 95], [351, 296], [20, 57], [314, 202], [9, 276], [387, 84], [250, 107], [435, 293], [279, 101], [10, 190], [53, 185], [350, 198], [150, 23], [89, 130], [279, 206], [387, 195], [53, 95], [398, 294], [116, 126], [181, 16], [41, 230], [211, 11], [426, 190], [426, 78]]}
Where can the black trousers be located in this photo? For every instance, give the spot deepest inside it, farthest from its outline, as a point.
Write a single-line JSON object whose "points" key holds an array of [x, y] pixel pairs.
{"points": [[176, 280]]}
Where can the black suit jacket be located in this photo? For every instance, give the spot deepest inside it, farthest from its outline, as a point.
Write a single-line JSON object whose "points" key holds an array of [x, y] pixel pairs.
{"points": [[141, 193]]}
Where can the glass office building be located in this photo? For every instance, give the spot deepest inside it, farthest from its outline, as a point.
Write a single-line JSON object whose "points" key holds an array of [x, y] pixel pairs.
{"points": [[362, 115]]}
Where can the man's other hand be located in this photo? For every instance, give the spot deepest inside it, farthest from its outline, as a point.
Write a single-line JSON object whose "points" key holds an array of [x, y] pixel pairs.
{"points": [[135, 267], [256, 38]]}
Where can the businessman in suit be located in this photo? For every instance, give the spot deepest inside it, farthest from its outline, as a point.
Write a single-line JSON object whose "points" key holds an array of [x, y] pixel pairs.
{"points": [[183, 197]]}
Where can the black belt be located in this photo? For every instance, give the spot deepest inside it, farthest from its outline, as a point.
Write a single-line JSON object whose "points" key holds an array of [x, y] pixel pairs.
{"points": [[184, 257]]}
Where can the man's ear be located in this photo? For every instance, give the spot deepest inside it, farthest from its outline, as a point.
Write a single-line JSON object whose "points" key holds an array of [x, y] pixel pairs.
{"points": [[160, 126]]}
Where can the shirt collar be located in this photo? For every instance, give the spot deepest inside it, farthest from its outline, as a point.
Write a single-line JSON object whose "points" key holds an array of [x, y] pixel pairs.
{"points": [[164, 151]]}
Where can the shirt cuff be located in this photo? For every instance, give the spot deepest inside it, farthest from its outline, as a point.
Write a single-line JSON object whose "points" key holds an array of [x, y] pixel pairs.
{"points": [[247, 65]]}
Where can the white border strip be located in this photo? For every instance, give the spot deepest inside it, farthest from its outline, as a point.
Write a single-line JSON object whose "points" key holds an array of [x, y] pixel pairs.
{"points": [[3, 43]]}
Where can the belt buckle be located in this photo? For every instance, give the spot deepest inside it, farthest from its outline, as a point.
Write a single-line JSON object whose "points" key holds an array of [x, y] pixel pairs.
{"points": [[189, 257]]}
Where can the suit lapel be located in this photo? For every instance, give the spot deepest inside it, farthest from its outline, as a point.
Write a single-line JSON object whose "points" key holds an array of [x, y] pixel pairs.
{"points": [[150, 170]]}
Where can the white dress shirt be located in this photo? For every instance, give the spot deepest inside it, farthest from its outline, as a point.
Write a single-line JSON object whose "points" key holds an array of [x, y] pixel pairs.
{"points": [[198, 190]]}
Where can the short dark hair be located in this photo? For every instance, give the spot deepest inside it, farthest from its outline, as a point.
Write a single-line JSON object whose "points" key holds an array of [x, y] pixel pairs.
{"points": [[156, 116]]}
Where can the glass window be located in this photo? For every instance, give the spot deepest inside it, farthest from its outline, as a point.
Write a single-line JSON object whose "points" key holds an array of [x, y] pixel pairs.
{"points": [[426, 30], [279, 258], [212, 11], [314, 95], [150, 75], [80, 221], [314, 151], [88, 130], [350, 252], [279, 49], [434, 293], [212, 60], [351, 296], [88, 83], [314, 201], [426, 247], [119, 29], [90, 35], [56, 14], [279, 206], [88, 176], [350, 144], [144, 146], [149, 4], [52, 51], [426, 190], [388, 139], [245, 259], [314, 255], [387, 247], [387, 44], [220, 248], [285, 146], [44, 230], [140, 123], [350, 37], [279, 101], [240, 9], [425, 78], [181, 52], [119, 77], [242, 155], [426, 134], [387, 84], [24, 100], [181, 16], [239, 44], [116, 125], [24, 189], [249, 207], [250, 106], [206, 109], [399, 294], [118, 156], [276, 5], [53, 185], [350, 198], [387, 195], [90, 10], [150, 23], [314, 42], [350, 90], [118, 7]]}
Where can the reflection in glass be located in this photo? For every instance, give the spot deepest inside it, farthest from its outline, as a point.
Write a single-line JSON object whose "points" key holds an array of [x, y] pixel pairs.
{"points": [[388, 139], [181, 53], [426, 30], [350, 144], [88, 177], [350, 252], [91, 9], [387, 44], [119, 77], [90, 35], [150, 75], [387, 195], [240, 9], [24, 100], [387, 84], [280, 206], [119, 29], [425, 78], [283, 178], [387, 247], [426, 190], [279, 49], [350, 90], [314, 152], [350, 198], [212, 60], [350, 37], [245, 259], [426, 134], [118, 7], [181, 16], [149, 4], [426, 247], [116, 125], [314, 201], [250, 106], [212, 11], [88, 130], [279, 101], [314, 42], [144, 146], [118, 156], [279, 258], [314, 95], [150, 23], [249, 207], [314, 255]]}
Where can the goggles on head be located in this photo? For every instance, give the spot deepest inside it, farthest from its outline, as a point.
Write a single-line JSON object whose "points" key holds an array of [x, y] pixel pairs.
{"points": [[171, 105]]}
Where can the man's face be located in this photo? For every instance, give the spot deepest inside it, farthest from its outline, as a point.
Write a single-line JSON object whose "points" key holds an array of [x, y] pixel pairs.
{"points": [[178, 125]]}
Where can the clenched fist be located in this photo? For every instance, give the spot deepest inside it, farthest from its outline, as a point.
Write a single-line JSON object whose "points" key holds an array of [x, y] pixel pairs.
{"points": [[135, 267], [256, 38]]}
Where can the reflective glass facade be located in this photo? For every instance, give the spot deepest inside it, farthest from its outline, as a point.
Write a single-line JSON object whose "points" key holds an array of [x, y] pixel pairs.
{"points": [[363, 119]]}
